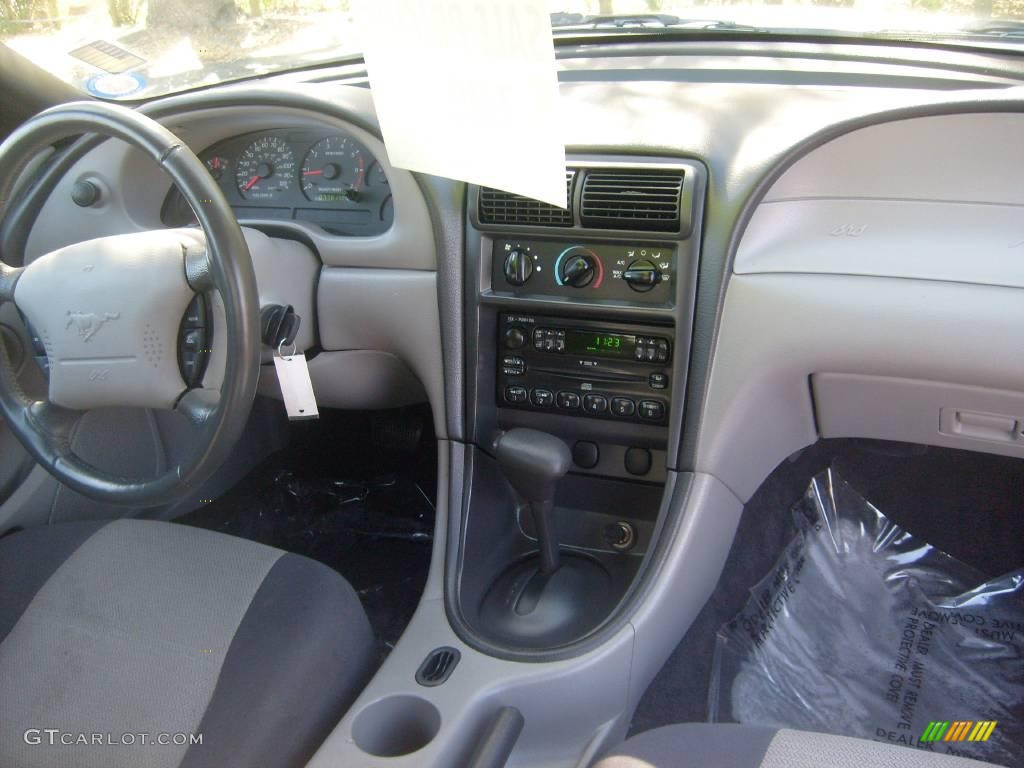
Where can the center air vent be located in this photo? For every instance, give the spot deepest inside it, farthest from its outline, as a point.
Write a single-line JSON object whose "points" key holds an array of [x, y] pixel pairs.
{"points": [[646, 200], [497, 207]]}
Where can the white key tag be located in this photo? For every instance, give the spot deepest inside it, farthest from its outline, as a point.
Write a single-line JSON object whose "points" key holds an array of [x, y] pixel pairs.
{"points": [[296, 387]]}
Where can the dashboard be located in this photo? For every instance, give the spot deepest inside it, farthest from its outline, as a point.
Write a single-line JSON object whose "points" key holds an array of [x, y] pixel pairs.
{"points": [[844, 263], [325, 178]]}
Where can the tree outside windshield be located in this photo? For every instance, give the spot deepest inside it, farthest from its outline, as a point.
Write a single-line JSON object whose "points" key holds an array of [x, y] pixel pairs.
{"points": [[137, 48]]}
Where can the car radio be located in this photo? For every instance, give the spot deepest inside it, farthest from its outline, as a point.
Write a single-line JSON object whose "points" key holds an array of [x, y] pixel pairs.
{"points": [[585, 368]]}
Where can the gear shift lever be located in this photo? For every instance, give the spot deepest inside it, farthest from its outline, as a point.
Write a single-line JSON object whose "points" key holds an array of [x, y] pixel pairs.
{"points": [[533, 462], [555, 597]]}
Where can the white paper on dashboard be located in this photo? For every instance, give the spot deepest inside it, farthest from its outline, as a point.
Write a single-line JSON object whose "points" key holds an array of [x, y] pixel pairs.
{"points": [[467, 89]]}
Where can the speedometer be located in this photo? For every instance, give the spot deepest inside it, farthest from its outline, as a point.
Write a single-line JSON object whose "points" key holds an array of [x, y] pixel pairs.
{"points": [[334, 170], [266, 169]]}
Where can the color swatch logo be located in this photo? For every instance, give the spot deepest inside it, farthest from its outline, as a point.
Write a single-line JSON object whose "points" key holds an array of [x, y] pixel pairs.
{"points": [[958, 730]]}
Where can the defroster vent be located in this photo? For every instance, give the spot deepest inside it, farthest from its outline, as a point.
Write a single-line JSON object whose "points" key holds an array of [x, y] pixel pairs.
{"points": [[645, 200], [497, 207]]}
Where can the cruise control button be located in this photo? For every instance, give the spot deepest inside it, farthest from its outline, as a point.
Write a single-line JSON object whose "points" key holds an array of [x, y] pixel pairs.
{"points": [[595, 403], [652, 410], [568, 400], [623, 406], [542, 398], [515, 394]]}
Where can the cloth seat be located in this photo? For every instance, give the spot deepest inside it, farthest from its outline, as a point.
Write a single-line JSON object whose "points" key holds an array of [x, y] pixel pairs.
{"points": [[701, 745], [115, 637]]}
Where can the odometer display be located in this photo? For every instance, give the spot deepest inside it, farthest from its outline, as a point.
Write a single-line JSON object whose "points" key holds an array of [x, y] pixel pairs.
{"points": [[603, 344], [266, 169]]}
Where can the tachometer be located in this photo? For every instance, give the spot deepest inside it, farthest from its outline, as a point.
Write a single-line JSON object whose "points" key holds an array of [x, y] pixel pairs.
{"points": [[334, 170], [266, 169]]}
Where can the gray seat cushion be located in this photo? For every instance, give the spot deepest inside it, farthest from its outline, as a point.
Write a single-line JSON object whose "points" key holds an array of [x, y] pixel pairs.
{"points": [[137, 627], [747, 746]]}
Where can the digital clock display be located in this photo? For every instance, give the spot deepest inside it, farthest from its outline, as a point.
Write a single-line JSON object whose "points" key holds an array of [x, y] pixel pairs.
{"points": [[604, 344]]}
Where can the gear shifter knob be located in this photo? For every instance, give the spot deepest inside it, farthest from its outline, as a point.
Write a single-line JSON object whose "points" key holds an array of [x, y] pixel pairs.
{"points": [[533, 462]]}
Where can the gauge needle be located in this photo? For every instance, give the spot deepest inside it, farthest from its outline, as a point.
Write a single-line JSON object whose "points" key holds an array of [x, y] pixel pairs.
{"points": [[251, 183], [313, 173]]}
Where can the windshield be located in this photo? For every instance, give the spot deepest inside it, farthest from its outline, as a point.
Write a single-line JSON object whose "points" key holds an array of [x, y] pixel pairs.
{"points": [[131, 49]]}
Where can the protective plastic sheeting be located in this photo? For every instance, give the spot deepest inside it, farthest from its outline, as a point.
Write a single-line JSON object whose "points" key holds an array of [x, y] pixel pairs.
{"points": [[863, 630]]}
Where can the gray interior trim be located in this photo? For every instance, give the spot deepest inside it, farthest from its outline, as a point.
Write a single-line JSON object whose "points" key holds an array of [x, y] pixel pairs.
{"points": [[694, 745], [922, 412], [723, 238], [778, 330], [387, 310], [357, 379], [446, 200], [931, 197]]}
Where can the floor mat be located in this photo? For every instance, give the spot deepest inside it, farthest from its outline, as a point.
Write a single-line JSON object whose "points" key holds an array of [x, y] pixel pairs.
{"points": [[348, 493], [967, 504], [864, 630]]}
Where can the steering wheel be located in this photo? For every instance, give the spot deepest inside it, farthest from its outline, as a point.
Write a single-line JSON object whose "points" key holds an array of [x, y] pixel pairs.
{"points": [[111, 314]]}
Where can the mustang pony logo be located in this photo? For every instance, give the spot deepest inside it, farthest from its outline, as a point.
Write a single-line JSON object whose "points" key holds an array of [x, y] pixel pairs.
{"points": [[88, 324]]}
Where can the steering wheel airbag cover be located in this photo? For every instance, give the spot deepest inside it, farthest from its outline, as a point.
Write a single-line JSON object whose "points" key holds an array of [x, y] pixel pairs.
{"points": [[108, 312]]}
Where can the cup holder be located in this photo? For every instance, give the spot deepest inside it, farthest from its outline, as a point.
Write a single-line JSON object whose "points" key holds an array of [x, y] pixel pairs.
{"points": [[396, 726]]}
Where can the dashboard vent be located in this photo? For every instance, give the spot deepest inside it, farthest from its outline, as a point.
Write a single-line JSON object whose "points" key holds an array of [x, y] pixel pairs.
{"points": [[645, 200], [497, 207]]}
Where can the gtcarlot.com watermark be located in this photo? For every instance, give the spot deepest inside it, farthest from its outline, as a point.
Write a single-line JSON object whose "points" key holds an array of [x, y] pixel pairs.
{"points": [[56, 737]]}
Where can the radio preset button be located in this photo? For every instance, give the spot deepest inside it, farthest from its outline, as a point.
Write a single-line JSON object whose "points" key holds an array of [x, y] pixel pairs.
{"points": [[515, 394], [595, 404], [542, 398], [623, 406], [651, 410], [568, 401]]}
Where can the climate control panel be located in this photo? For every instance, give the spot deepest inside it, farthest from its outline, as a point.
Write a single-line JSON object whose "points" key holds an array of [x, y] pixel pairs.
{"points": [[587, 368], [636, 273]]}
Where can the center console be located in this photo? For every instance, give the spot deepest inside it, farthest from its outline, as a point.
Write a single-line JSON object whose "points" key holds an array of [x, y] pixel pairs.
{"points": [[578, 332]]}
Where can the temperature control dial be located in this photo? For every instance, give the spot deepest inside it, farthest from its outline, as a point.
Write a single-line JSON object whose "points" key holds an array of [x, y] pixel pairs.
{"points": [[518, 266], [579, 267]]}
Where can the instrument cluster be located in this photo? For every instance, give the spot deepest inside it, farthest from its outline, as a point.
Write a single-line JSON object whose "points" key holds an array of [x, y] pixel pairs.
{"points": [[324, 178]]}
